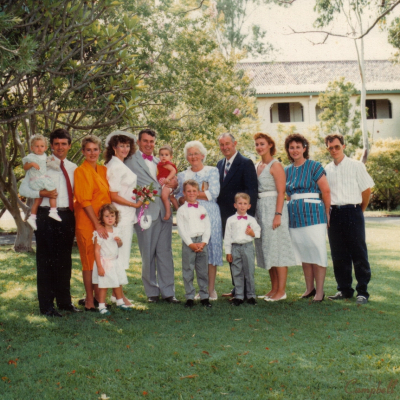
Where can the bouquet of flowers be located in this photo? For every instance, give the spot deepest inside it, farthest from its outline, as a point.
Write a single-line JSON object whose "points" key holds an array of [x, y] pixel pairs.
{"points": [[146, 194]]}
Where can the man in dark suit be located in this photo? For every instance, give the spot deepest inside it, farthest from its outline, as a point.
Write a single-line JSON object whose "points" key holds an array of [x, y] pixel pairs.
{"points": [[236, 174]]}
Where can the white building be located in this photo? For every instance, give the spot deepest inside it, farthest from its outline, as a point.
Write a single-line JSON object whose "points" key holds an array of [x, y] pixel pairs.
{"points": [[287, 93]]}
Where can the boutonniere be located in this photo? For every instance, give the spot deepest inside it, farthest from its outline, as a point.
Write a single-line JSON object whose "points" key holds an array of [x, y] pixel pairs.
{"points": [[202, 216]]}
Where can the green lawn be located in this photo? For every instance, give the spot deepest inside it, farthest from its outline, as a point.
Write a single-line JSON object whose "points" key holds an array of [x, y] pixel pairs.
{"points": [[285, 350]]}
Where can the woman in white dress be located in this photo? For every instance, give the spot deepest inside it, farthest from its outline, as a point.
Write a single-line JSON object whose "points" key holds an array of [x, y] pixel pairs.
{"points": [[122, 181], [274, 248]]}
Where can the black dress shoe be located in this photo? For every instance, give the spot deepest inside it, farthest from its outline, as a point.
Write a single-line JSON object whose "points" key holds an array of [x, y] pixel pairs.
{"points": [[206, 303], [81, 302], [90, 309], [51, 313], [70, 308], [189, 303], [311, 294], [153, 299], [252, 301], [237, 302], [172, 300], [319, 301]]}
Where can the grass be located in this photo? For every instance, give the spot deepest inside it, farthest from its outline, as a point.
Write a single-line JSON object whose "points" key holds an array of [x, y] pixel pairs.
{"points": [[284, 350]]}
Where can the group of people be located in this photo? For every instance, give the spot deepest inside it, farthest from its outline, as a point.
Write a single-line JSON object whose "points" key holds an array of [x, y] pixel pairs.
{"points": [[233, 204]]}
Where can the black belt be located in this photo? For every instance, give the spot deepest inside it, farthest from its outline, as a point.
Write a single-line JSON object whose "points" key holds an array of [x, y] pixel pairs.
{"points": [[346, 206], [45, 208]]}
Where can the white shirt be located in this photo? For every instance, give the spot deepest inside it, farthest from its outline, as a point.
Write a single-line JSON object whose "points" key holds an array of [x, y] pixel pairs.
{"points": [[235, 231], [122, 180], [231, 160], [347, 181], [151, 165], [59, 180], [191, 223]]}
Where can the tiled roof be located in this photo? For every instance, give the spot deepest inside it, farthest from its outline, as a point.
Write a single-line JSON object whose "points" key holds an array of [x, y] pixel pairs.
{"points": [[313, 76]]}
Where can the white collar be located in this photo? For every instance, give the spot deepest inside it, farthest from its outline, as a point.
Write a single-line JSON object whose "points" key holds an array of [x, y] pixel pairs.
{"points": [[232, 159], [237, 215], [341, 162]]}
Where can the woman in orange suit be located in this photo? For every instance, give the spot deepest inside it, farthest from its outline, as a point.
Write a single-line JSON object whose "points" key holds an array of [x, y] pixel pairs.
{"points": [[91, 192]]}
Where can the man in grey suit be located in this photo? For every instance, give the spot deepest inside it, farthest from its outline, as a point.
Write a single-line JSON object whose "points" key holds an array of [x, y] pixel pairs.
{"points": [[155, 243]]}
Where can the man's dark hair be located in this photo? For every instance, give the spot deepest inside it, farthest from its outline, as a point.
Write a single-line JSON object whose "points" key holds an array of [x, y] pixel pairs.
{"points": [[60, 133], [331, 138], [148, 131]]}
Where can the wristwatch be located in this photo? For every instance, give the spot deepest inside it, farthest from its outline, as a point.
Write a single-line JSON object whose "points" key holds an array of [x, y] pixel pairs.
{"points": [[278, 213]]}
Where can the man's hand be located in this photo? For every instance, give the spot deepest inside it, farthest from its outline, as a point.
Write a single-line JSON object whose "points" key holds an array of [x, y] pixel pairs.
{"points": [[229, 258], [201, 246], [118, 240], [249, 231], [51, 194], [173, 184], [194, 247]]}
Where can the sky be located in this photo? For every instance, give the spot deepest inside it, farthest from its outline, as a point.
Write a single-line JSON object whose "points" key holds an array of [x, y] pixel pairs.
{"points": [[300, 16]]}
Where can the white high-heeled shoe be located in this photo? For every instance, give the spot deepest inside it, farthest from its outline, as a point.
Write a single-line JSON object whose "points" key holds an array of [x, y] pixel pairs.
{"points": [[213, 296], [281, 298]]}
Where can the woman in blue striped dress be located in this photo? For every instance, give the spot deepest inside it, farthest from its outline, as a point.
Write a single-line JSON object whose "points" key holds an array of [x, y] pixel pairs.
{"points": [[308, 215]]}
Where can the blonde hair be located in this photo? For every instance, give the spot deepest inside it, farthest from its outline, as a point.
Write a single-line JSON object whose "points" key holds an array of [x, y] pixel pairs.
{"points": [[37, 138], [190, 182], [90, 139], [243, 196]]}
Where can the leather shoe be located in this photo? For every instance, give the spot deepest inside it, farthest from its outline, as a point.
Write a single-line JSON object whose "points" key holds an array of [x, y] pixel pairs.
{"points": [[81, 302], [230, 294], [189, 303], [252, 301], [206, 303], [172, 300], [311, 294], [51, 313], [319, 301], [153, 299], [70, 308], [90, 309], [237, 302]]}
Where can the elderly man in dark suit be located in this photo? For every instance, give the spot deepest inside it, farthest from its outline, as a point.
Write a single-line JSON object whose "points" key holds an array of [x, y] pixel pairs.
{"points": [[237, 174]]}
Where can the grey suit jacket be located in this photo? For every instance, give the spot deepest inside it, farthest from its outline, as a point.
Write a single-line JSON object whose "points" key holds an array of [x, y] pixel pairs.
{"points": [[137, 165]]}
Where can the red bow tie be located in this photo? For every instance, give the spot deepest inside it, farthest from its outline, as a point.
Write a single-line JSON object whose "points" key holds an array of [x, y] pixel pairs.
{"points": [[146, 157], [193, 205], [242, 216]]}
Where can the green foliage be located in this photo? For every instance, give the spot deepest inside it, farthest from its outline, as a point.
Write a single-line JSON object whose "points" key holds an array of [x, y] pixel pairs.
{"points": [[394, 37], [337, 116], [384, 165]]}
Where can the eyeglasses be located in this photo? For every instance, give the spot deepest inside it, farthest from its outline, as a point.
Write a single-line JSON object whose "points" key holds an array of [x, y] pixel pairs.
{"points": [[193, 154], [337, 147]]}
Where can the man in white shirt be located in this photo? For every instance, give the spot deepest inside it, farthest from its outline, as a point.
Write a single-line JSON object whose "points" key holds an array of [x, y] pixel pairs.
{"points": [[54, 239], [350, 186]]}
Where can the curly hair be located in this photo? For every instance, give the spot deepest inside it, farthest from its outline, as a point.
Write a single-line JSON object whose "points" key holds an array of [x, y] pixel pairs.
{"points": [[269, 140], [114, 141], [112, 210], [296, 137]]}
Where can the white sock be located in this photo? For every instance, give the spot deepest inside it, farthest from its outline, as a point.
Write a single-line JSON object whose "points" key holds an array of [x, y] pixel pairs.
{"points": [[54, 210], [120, 302], [102, 305], [32, 216]]}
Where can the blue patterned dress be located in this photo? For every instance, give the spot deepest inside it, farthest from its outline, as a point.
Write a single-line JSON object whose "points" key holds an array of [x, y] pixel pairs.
{"points": [[211, 176]]}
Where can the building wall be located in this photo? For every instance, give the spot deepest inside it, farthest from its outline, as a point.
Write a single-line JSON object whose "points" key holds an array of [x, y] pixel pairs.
{"points": [[379, 128]]}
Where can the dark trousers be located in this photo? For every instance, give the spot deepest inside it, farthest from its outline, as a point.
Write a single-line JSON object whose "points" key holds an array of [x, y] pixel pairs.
{"points": [[347, 240], [54, 242]]}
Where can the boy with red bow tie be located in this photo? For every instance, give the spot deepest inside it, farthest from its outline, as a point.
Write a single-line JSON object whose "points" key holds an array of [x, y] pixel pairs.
{"points": [[195, 229], [240, 230]]}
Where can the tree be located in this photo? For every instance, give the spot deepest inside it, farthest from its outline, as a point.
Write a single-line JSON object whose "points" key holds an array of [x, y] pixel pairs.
{"points": [[357, 14], [384, 166], [337, 116], [97, 65]]}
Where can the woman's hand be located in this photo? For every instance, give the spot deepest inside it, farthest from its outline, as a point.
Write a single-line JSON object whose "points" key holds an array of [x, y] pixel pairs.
{"points": [[276, 222], [100, 270], [328, 218], [102, 231]]}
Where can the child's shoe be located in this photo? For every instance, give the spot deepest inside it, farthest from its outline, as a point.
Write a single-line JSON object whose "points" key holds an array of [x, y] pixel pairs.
{"points": [[104, 311], [189, 303], [54, 215], [252, 301], [236, 302], [32, 223], [206, 303], [124, 307]]}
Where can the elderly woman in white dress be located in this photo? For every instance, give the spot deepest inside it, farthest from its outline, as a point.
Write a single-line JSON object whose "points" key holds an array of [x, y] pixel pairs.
{"points": [[208, 180], [122, 181]]}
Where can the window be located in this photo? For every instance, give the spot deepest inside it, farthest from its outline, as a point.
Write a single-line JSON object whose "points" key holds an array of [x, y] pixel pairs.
{"points": [[286, 112], [318, 111], [379, 109]]}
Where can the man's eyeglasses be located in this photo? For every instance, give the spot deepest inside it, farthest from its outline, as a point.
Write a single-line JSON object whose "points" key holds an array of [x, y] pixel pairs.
{"points": [[337, 148]]}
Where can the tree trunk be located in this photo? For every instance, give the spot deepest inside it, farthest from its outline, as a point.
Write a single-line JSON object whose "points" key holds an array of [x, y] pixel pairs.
{"points": [[388, 200], [23, 241]]}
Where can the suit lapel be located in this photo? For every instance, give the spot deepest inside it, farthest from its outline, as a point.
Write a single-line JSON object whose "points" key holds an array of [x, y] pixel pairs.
{"points": [[143, 164], [232, 170], [221, 167]]}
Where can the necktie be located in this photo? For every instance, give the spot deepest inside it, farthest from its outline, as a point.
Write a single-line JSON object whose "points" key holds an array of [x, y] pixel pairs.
{"points": [[193, 205], [242, 216], [227, 166], [146, 157], [69, 187]]}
